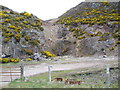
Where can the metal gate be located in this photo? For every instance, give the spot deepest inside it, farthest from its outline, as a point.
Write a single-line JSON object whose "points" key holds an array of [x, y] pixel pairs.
{"points": [[8, 74]]}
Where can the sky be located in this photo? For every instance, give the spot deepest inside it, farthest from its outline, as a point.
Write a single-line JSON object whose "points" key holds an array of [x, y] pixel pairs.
{"points": [[43, 9]]}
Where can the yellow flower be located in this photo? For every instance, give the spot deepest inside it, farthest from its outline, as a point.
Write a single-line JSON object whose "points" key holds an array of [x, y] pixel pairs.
{"points": [[29, 59], [27, 14], [49, 54]]}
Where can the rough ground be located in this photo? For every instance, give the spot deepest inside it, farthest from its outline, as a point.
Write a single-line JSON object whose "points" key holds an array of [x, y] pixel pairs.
{"points": [[67, 63]]}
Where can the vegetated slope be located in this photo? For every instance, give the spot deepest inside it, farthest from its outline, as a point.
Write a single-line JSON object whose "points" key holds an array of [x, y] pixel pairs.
{"points": [[93, 26], [22, 33]]}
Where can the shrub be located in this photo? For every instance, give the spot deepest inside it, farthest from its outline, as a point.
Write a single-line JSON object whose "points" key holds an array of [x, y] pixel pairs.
{"points": [[15, 60], [16, 30], [8, 34], [3, 33], [106, 3], [29, 52], [19, 28], [7, 31], [27, 37], [86, 8], [12, 27], [116, 23], [19, 18], [5, 60], [27, 14], [24, 33], [25, 22], [12, 12], [4, 15], [29, 59], [27, 26], [7, 20], [101, 39], [81, 37], [98, 34], [108, 33], [118, 42], [91, 34], [102, 49], [100, 23], [24, 42], [5, 12], [48, 54], [41, 28], [116, 35], [0, 60], [17, 36], [112, 48], [6, 39], [34, 42]]}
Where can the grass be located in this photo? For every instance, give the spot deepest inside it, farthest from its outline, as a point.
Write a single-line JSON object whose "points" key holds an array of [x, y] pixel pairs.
{"points": [[90, 80], [19, 63]]}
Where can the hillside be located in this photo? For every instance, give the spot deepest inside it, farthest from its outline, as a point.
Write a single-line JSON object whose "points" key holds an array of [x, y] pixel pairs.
{"points": [[22, 33], [94, 28], [90, 28]]}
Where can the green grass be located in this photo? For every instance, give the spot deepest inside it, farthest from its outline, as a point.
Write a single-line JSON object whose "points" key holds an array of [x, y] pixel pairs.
{"points": [[90, 80], [19, 63]]}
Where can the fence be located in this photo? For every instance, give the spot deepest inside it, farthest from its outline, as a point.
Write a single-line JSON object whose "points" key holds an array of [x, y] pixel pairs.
{"points": [[18, 72], [9, 74]]}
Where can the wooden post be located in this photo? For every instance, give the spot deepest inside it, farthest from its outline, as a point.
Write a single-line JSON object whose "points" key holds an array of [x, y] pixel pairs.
{"points": [[22, 71], [49, 73], [10, 74], [107, 76]]}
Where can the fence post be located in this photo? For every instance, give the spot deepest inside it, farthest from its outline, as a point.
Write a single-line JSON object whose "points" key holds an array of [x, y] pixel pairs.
{"points": [[49, 73], [10, 74], [22, 71], [107, 76]]}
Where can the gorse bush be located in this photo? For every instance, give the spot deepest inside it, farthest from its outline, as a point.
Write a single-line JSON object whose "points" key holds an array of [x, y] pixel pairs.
{"points": [[81, 37], [12, 27], [27, 37], [118, 42], [6, 39], [17, 36], [26, 14], [34, 43], [29, 59], [112, 48], [29, 52], [18, 25], [101, 39], [15, 60], [8, 60], [48, 54], [5, 60]]}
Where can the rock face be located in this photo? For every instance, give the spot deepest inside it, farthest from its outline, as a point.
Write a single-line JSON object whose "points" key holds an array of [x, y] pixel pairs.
{"points": [[22, 33]]}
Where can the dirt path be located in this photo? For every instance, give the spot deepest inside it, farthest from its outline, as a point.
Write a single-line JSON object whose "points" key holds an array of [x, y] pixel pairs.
{"points": [[66, 63]]}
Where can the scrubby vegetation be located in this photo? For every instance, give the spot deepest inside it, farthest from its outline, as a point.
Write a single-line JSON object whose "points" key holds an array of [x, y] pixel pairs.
{"points": [[20, 29], [48, 54], [16, 23], [8, 60], [101, 15]]}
